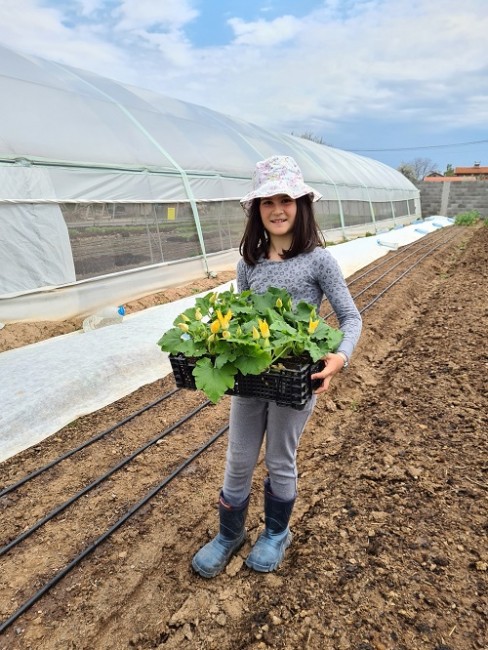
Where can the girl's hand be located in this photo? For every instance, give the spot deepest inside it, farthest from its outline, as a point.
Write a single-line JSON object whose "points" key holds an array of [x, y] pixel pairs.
{"points": [[334, 363]]}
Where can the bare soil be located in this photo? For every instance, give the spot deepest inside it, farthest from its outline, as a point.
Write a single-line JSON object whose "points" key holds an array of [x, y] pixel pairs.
{"points": [[390, 548]]}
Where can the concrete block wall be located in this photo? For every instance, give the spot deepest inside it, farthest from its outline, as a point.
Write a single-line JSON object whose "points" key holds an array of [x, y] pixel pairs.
{"points": [[452, 198]]}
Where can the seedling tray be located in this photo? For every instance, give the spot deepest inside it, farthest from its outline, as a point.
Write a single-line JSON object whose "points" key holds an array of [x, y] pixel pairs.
{"points": [[288, 383]]}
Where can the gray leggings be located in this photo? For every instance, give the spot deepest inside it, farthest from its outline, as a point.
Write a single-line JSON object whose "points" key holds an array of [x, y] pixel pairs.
{"points": [[249, 420]]}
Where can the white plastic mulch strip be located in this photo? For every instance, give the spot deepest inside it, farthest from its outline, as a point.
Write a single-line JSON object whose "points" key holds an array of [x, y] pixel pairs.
{"points": [[53, 382]]}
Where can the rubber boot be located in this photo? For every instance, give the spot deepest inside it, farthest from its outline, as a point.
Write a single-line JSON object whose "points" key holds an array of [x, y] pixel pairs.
{"points": [[269, 550], [212, 558]]}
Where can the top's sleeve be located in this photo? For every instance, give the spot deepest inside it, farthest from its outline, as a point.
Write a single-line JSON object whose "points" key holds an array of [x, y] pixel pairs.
{"points": [[242, 281], [337, 293]]}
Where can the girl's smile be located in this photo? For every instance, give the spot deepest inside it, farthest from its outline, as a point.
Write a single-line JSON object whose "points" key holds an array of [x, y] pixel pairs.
{"points": [[278, 214]]}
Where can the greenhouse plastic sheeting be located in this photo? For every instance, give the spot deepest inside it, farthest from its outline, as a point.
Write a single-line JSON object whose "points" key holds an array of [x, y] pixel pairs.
{"points": [[146, 133], [89, 296], [56, 381], [74, 137], [40, 241]]}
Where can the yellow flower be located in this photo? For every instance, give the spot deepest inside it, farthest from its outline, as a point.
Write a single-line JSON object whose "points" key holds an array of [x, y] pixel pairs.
{"points": [[183, 327], [215, 327], [226, 334], [312, 326], [279, 303], [198, 314], [224, 320], [185, 318], [213, 298], [263, 328], [255, 333]]}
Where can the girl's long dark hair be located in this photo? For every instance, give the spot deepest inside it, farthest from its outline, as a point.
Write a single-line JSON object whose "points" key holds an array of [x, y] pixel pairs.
{"points": [[306, 233]]}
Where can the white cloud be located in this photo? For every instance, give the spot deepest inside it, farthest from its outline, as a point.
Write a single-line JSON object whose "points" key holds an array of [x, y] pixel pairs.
{"points": [[173, 46], [265, 33], [88, 7], [25, 18], [154, 29], [348, 60], [168, 14], [41, 31], [375, 62]]}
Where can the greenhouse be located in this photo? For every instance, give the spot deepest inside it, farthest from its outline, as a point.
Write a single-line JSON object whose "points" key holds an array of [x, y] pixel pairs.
{"points": [[111, 192]]}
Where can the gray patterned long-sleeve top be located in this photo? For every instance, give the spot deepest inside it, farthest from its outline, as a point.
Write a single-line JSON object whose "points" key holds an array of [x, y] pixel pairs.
{"points": [[309, 277]]}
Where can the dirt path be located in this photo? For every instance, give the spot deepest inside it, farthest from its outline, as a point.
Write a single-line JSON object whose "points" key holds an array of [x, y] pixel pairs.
{"points": [[390, 546]]}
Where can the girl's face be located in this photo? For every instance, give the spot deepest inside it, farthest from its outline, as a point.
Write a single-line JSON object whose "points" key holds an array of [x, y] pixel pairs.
{"points": [[278, 214]]}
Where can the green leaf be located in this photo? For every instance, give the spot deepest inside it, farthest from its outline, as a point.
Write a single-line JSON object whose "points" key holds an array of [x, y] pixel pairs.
{"points": [[223, 354], [171, 341], [263, 302], [315, 351], [214, 382], [303, 311], [243, 310], [281, 326], [254, 365], [334, 338]]}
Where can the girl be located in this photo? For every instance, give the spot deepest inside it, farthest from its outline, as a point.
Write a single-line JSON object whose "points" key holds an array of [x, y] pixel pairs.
{"points": [[281, 247]]}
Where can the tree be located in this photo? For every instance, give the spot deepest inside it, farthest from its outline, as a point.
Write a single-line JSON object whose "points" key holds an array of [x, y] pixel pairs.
{"points": [[308, 135], [407, 170], [449, 170], [418, 168]]}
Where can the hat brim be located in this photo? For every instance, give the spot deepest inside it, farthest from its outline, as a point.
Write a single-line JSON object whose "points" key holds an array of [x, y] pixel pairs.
{"points": [[272, 189]]}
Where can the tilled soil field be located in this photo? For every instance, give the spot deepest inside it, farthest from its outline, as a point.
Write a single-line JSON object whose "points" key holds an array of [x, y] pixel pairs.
{"points": [[390, 548]]}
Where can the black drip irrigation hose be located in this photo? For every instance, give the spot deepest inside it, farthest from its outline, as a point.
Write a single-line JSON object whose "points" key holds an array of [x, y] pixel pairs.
{"points": [[387, 288], [394, 254], [392, 268], [376, 280], [89, 549], [100, 479], [86, 444]]}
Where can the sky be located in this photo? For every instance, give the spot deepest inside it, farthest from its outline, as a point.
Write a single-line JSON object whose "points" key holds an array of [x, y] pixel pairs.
{"points": [[393, 80]]}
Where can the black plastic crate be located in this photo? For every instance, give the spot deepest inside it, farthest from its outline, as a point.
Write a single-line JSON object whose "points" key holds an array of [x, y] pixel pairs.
{"points": [[288, 385]]}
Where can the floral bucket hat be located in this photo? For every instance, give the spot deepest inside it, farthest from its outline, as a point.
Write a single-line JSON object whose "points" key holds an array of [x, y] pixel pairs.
{"points": [[278, 175]]}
